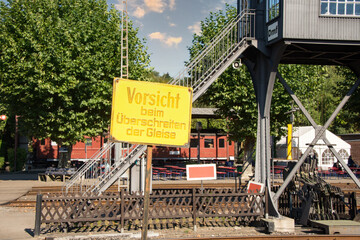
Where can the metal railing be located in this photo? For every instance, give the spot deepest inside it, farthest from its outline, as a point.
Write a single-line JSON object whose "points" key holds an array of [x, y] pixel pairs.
{"points": [[118, 169], [213, 60], [88, 171], [199, 74]]}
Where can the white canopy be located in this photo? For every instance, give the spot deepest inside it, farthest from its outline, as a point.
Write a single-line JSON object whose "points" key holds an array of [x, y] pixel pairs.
{"points": [[303, 136]]}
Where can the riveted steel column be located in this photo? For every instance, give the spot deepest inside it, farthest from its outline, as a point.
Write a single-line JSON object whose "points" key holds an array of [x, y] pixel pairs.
{"points": [[263, 73]]}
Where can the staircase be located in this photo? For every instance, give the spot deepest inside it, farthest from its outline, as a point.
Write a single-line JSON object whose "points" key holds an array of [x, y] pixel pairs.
{"points": [[199, 74]]}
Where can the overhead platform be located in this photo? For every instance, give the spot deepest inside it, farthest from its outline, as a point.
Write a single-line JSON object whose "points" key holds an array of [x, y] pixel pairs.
{"points": [[204, 113], [321, 52]]}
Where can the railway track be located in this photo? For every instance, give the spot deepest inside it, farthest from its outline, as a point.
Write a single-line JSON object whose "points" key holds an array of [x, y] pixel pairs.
{"points": [[284, 237], [29, 199]]}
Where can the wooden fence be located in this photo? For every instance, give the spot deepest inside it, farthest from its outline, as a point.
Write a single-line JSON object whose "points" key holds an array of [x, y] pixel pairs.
{"points": [[168, 208]]}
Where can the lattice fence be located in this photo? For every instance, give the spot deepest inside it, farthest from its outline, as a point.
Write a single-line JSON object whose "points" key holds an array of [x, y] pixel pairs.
{"points": [[168, 208], [291, 205]]}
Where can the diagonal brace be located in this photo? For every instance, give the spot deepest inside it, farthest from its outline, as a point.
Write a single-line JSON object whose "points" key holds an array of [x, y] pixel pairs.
{"points": [[339, 158], [318, 135]]}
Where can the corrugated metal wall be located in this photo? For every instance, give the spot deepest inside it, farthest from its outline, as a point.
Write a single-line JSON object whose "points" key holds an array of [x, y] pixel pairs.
{"points": [[302, 20]]}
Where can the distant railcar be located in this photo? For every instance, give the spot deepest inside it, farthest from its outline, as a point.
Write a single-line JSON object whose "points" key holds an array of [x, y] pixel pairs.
{"points": [[213, 146]]}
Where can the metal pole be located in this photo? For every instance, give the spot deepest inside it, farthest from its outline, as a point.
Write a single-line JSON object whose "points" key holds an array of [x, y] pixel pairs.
{"points": [[122, 211], [198, 128], [147, 193], [16, 142], [198, 148]]}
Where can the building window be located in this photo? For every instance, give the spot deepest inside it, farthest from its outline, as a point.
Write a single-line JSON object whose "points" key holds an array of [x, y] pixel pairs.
{"points": [[272, 9], [340, 7], [221, 143], [327, 157], [42, 142], [209, 143]]}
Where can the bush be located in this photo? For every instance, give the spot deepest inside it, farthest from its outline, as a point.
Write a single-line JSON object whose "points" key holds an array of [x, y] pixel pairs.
{"points": [[2, 154], [20, 158], [2, 161]]}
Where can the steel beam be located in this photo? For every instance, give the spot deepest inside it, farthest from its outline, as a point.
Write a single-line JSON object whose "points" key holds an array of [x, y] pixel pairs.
{"points": [[318, 135]]}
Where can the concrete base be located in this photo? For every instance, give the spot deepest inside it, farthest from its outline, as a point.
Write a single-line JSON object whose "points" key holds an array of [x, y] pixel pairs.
{"points": [[282, 224], [337, 226]]}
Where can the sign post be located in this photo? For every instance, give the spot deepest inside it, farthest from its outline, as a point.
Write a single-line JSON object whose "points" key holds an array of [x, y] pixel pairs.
{"points": [[147, 193], [152, 114]]}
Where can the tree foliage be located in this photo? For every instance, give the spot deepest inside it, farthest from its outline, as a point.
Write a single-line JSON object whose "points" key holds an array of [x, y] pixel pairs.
{"points": [[348, 119], [58, 59]]}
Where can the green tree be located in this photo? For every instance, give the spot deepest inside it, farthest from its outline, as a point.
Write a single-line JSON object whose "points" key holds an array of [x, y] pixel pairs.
{"points": [[234, 95], [58, 59], [154, 76], [348, 119]]}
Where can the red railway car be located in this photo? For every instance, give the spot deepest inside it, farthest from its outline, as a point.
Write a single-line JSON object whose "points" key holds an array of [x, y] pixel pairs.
{"points": [[213, 147]]}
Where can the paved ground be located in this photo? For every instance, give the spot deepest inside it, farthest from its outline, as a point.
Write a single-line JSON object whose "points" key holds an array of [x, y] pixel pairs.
{"points": [[18, 223]]}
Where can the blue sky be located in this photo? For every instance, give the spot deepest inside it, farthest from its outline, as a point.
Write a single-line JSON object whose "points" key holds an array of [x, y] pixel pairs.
{"points": [[168, 26]]}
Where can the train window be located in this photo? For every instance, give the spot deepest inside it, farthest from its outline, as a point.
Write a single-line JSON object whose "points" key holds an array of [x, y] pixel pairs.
{"points": [[193, 142], [209, 143], [221, 143]]}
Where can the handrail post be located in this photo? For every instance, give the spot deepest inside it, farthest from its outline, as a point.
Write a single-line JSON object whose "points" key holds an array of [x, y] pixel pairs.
{"points": [[38, 215], [122, 210]]}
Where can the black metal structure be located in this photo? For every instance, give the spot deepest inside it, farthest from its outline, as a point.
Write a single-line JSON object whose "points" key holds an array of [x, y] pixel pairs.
{"points": [[297, 32]]}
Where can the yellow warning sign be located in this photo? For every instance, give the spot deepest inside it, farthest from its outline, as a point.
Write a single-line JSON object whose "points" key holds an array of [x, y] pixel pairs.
{"points": [[150, 113]]}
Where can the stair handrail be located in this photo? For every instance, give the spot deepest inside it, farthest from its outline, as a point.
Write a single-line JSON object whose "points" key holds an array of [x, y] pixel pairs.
{"points": [[86, 166], [207, 48], [115, 168]]}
